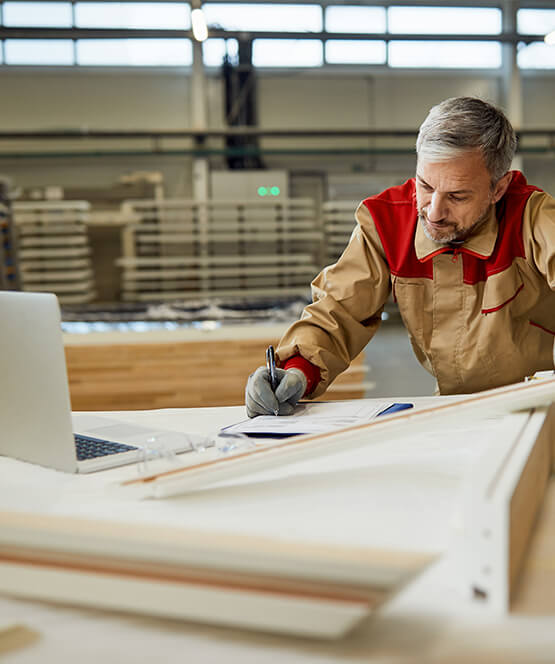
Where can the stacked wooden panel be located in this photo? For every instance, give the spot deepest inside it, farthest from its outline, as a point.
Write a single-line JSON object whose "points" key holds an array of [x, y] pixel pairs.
{"points": [[183, 249], [339, 223], [53, 249], [177, 373]]}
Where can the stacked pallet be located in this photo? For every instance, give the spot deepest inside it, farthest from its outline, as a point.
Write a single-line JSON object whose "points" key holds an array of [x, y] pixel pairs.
{"points": [[339, 223], [185, 249], [53, 249]]}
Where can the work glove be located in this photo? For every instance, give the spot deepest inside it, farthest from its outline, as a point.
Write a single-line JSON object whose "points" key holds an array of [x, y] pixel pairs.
{"points": [[260, 398]]}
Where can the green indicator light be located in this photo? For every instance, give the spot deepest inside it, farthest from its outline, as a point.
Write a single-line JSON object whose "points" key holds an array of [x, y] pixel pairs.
{"points": [[262, 191], [275, 191]]}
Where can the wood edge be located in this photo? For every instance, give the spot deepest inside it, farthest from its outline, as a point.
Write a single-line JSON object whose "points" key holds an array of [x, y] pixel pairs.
{"points": [[162, 573], [389, 422], [165, 544], [527, 500]]}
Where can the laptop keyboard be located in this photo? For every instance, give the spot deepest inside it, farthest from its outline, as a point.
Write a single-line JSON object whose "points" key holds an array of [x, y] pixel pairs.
{"points": [[91, 448]]}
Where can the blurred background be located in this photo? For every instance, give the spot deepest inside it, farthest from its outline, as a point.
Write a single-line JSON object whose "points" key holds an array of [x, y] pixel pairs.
{"points": [[178, 172]]}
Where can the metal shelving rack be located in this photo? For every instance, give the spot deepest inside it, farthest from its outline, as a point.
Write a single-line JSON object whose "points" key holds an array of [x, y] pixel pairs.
{"points": [[339, 223], [182, 249], [9, 272], [53, 249]]}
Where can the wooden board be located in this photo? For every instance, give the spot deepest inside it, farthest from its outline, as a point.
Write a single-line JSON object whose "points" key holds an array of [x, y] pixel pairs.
{"points": [[535, 592], [508, 399], [245, 581], [505, 493], [142, 376], [527, 499]]}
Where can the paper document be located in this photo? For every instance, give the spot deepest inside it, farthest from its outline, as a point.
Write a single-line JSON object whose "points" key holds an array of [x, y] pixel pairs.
{"points": [[317, 417]]}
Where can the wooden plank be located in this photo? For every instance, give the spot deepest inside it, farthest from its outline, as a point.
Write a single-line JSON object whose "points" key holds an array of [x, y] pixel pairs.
{"points": [[504, 495], [535, 592], [517, 397], [527, 498], [139, 376], [214, 577]]}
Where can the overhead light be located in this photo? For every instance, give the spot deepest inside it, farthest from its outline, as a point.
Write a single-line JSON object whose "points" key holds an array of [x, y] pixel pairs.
{"points": [[549, 38], [200, 31]]}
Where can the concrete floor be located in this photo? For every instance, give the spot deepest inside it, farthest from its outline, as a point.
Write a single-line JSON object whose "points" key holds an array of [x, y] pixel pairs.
{"points": [[393, 369]]}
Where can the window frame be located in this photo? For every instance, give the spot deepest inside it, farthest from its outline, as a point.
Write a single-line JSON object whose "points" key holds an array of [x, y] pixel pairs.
{"points": [[76, 33]]}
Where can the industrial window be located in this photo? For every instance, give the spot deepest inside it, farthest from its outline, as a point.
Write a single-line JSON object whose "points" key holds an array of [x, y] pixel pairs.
{"points": [[134, 52], [445, 54], [133, 15], [37, 14], [446, 20], [266, 17], [342, 51], [536, 56], [32, 48], [38, 51], [214, 51], [535, 21], [287, 53], [355, 19]]}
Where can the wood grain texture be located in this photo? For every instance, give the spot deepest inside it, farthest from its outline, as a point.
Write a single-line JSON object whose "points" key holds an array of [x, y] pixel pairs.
{"points": [[141, 376]]}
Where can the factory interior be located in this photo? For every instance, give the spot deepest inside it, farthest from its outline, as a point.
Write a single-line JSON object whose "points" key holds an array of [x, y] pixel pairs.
{"points": [[253, 150], [177, 172]]}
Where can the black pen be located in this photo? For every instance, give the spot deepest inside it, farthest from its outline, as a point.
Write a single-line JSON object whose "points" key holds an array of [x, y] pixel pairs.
{"points": [[271, 367]]}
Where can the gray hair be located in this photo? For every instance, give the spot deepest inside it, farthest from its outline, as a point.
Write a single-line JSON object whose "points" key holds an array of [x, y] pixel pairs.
{"points": [[459, 124]]}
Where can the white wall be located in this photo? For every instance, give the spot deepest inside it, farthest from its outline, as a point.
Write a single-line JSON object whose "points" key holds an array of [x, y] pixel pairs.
{"points": [[97, 99]]}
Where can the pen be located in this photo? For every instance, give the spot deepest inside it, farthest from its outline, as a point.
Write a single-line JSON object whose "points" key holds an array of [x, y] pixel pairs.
{"points": [[271, 366]]}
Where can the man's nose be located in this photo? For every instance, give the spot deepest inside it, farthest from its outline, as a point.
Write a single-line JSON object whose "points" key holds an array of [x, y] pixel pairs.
{"points": [[436, 208]]}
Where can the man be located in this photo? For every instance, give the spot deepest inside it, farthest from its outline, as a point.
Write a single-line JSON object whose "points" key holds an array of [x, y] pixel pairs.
{"points": [[468, 249]]}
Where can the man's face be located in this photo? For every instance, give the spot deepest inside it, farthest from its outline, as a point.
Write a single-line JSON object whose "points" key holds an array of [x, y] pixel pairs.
{"points": [[454, 197]]}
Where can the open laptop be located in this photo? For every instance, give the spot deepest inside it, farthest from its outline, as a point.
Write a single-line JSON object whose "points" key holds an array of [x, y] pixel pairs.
{"points": [[36, 421]]}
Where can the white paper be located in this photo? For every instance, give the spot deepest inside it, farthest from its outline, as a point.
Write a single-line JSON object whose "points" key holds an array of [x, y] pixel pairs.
{"points": [[317, 417]]}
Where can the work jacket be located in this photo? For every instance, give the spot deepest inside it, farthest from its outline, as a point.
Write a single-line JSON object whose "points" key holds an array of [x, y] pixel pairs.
{"points": [[478, 316]]}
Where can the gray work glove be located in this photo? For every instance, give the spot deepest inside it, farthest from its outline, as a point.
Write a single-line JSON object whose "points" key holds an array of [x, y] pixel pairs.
{"points": [[261, 400]]}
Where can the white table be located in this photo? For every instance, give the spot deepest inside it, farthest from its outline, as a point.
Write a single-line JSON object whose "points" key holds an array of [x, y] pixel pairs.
{"points": [[386, 495]]}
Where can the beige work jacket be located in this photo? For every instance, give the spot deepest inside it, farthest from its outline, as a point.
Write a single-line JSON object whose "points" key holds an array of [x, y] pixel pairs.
{"points": [[471, 337]]}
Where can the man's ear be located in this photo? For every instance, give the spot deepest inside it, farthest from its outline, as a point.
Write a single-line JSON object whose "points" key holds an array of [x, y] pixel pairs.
{"points": [[501, 186]]}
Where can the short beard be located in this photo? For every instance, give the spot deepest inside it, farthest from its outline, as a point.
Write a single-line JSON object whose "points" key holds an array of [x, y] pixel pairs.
{"points": [[455, 235]]}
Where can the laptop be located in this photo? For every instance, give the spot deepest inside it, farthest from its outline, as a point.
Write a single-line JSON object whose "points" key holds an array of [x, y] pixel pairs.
{"points": [[36, 418]]}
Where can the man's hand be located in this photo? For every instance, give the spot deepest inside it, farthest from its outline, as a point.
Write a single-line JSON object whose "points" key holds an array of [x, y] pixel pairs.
{"points": [[261, 400]]}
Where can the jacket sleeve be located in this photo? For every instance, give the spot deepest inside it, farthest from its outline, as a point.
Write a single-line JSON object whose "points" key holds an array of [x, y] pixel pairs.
{"points": [[539, 234], [348, 298], [539, 238]]}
